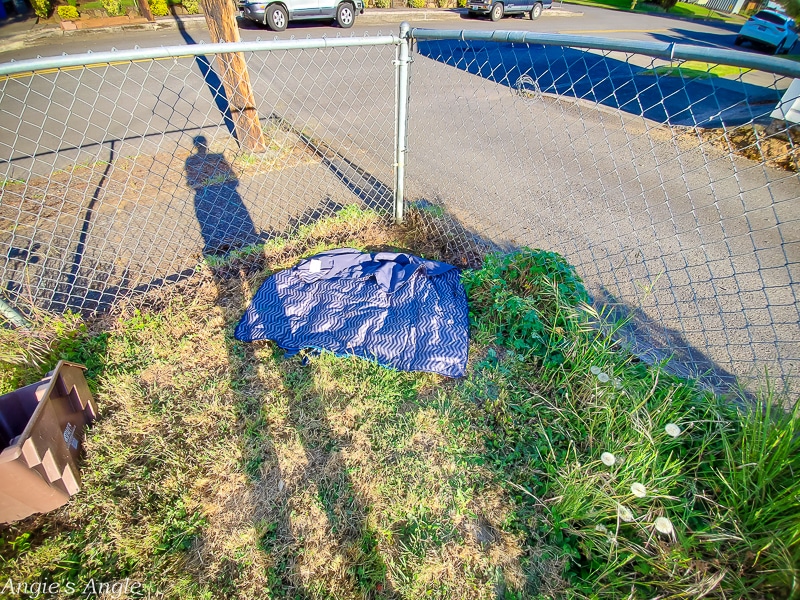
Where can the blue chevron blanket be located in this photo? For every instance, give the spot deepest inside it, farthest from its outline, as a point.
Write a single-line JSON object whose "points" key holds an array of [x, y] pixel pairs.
{"points": [[398, 309]]}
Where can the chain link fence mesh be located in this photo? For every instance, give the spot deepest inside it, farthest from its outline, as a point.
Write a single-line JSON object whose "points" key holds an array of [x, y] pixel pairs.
{"points": [[122, 176], [666, 183]]}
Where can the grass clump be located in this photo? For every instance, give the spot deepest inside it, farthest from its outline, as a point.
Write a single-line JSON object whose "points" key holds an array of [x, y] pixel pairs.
{"points": [[559, 467]]}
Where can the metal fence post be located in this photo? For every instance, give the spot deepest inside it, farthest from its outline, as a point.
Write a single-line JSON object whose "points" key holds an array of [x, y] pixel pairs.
{"points": [[401, 113]]}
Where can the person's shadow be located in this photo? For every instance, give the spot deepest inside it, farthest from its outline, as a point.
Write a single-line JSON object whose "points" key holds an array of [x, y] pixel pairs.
{"points": [[225, 222]]}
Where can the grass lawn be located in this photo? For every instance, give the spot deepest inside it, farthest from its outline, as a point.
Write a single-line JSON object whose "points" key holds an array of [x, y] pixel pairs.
{"points": [[681, 9], [98, 5], [560, 466], [692, 69]]}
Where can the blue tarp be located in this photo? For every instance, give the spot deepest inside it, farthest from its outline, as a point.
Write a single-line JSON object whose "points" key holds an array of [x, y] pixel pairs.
{"points": [[398, 309]]}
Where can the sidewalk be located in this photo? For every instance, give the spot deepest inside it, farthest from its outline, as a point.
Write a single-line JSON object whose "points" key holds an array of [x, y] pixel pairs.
{"points": [[16, 34]]}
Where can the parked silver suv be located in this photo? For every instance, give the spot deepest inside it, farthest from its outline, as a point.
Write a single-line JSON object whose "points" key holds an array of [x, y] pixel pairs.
{"points": [[277, 14]]}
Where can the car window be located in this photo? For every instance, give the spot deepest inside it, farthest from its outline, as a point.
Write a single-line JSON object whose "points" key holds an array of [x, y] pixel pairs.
{"points": [[770, 17]]}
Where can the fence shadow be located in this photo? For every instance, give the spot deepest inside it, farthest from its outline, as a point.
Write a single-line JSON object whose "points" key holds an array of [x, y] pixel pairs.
{"points": [[653, 342], [604, 80]]}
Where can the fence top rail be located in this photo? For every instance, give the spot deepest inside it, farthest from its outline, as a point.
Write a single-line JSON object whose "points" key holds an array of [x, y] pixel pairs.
{"points": [[118, 56], [736, 58]]}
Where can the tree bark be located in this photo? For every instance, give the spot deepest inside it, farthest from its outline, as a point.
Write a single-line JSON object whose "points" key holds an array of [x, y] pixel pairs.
{"points": [[144, 10], [221, 20]]}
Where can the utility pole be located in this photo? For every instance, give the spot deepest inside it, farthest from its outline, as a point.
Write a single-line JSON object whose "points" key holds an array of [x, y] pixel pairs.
{"points": [[221, 20]]}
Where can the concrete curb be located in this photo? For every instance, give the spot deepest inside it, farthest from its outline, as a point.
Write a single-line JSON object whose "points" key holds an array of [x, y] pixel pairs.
{"points": [[370, 16]]}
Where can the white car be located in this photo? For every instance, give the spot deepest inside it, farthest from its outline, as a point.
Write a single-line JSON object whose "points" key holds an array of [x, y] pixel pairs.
{"points": [[276, 14], [769, 28]]}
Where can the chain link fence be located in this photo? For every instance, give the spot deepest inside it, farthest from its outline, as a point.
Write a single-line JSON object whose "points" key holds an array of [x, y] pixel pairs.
{"points": [[665, 181], [122, 172], [658, 170]]}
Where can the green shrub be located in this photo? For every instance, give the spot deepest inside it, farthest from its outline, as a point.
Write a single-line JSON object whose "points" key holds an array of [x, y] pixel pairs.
{"points": [[192, 6], [68, 13], [42, 8], [383, 3], [443, 3], [517, 299], [158, 8], [112, 7], [417, 3], [461, 3]]}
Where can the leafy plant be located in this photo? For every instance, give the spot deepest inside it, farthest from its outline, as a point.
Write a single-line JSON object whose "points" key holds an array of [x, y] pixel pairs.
{"points": [[68, 13], [383, 3], [192, 6], [418, 3], [42, 8], [159, 8], [112, 7], [517, 299]]}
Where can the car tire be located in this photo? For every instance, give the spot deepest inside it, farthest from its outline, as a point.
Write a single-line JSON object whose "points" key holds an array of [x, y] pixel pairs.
{"points": [[277, 17], [345, 15], [738, 41], [497, 11], [536, 11]]}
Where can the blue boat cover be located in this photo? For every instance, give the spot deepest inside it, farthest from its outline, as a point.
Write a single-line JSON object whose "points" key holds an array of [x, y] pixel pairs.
{"points": [[398, 309]]}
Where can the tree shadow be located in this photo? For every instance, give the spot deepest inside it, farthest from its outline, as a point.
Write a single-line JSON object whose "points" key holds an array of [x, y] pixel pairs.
{"points": [[687, 36], [374, 193], [210, 76], [301, 501]]}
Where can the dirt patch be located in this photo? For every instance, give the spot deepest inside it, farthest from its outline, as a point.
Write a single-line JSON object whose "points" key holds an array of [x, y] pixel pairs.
{"points": [[775, 145]]}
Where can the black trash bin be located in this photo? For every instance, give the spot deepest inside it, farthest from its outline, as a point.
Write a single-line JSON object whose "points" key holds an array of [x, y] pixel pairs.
{"points": [[41, 432]]}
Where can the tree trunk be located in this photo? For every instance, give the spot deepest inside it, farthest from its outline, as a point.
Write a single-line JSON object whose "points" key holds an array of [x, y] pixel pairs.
{"points": [[221, 20], [144, 10]]}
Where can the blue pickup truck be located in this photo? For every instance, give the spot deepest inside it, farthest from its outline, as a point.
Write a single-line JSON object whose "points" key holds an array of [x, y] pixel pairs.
{"points": [[497, 9]]}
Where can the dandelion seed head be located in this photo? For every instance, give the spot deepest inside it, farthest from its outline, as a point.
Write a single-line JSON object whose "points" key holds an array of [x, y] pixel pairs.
{"points": [[672, 429], [663, 525], [595, 370], [601, 528], [638, 490], [603, 378], [624, 513], [608, 459]]}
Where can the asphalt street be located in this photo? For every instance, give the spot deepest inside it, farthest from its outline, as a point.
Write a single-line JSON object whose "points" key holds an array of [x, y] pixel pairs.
{"points": [[557, 148], [594, 21]]}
